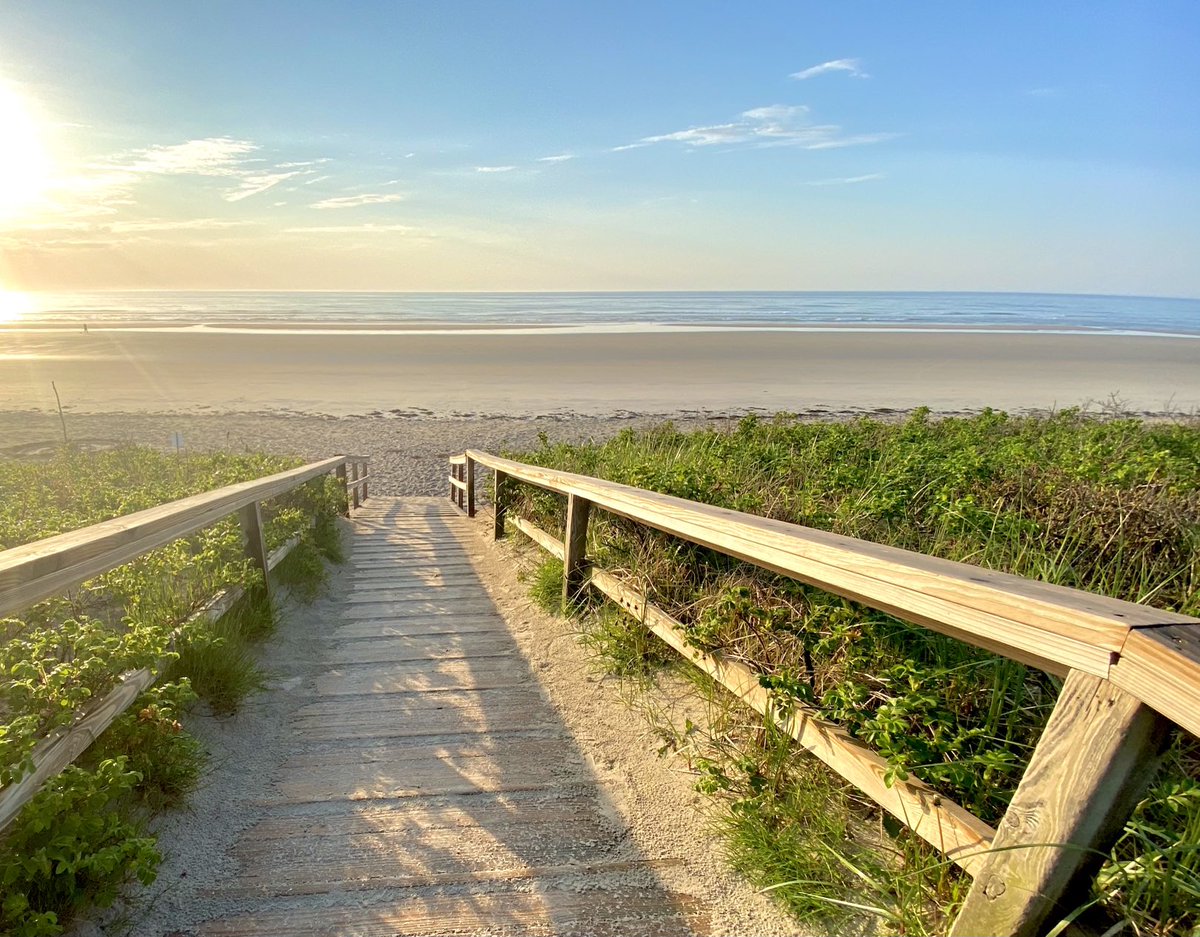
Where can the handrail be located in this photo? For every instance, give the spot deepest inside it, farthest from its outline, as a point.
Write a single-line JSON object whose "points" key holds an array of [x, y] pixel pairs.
{"points": [[44, 568], [1129, 669], [35, 571], [1052, 627]]}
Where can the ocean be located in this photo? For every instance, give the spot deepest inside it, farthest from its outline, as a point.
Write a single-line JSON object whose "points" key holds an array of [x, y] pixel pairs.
{"points": [[610, 311]]}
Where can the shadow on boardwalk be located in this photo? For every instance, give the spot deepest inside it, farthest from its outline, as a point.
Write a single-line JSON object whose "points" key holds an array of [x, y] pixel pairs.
{"points": [[429, 788]]}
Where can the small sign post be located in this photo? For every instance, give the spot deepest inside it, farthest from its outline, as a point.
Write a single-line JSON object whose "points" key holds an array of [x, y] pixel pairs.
{"points": [[177, 441]]}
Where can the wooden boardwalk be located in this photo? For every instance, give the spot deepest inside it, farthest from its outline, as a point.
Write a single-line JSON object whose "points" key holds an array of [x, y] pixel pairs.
{"points": [[429, 788]]}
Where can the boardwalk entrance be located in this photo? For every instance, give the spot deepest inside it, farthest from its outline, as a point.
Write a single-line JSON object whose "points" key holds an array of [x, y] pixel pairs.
{"points": [[429, 787]]}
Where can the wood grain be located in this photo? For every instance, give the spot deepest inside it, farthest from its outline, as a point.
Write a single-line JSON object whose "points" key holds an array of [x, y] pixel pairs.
{"points": [[551, 545], [1098, 751], [1052, 627], [1161, 667], [575, 548]]}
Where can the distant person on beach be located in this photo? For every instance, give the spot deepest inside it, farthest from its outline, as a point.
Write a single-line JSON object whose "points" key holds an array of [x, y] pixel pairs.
{"points": [[85, 328]]}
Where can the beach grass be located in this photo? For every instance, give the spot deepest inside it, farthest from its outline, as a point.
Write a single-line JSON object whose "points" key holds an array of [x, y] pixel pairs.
{"points": [[84, 834], [1106, 504]]}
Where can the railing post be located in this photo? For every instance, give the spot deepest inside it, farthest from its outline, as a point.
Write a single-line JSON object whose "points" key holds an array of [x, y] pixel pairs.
{"points": [[366, 470], [470, 487], [460, 470], [501, 506], [340, 471], [575, 548], [1096, 755], [256, 544], [354, 484]]}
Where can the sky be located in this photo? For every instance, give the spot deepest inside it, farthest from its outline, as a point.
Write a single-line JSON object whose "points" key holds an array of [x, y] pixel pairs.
{"points": [[1023, 146]]}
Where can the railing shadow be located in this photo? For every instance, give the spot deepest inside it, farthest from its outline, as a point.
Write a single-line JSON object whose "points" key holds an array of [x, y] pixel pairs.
{"points": [[434, 779]]}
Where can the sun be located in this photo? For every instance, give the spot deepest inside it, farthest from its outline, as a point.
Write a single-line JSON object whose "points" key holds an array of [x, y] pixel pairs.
{"points": [[24, 163], [15, 306]]}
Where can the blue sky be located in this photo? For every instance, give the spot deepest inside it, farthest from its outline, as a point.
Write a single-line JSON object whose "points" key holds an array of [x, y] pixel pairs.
{"points": [[1017, 146]]}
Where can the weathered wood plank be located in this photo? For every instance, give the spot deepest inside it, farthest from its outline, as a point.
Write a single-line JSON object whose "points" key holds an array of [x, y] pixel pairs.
{"points": [[501, 505], [550, 544], [405, 677], [470, 480], [575, 548], [1095, 756], [487, 810], [509, 912], [250, 518], [1161, 667], [374, 629]]}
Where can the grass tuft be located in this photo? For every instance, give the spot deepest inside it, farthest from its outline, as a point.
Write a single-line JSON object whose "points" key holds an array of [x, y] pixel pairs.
{"points": [[303, 571], [327, 537], [623, 647], [545, 586], [217, 657]]}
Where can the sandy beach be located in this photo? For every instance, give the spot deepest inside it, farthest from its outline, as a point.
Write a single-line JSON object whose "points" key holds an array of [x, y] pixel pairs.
{"points": [[590, 374], [407, 401]]}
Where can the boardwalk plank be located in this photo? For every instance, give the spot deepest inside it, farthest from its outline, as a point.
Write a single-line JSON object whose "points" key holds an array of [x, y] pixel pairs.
{"points": [[426, 785]]}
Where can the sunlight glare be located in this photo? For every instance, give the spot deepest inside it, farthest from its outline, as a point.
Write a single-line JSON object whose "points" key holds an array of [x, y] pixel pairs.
{"points": [[15, 306], [24, 163]]}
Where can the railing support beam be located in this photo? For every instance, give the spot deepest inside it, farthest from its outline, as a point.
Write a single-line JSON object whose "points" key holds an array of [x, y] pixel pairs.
{"points": [[340, 472], [470, 487], [500, 505], [256, 543], [354, 484], [575, 546], [1095, 757]]}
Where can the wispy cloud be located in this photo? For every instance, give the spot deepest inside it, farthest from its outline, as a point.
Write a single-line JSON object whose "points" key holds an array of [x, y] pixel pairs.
{"points": [[107, 186], [254, 183], [773, 125], [357, 229], [352, 201], [209, 156], [849, 180], [495, 168], [560, 158], [165, 224], [849, 66]]}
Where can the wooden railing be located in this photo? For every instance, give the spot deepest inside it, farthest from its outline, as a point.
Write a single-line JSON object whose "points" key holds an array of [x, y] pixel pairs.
{"points": [[46, 568], [1130, 671]]}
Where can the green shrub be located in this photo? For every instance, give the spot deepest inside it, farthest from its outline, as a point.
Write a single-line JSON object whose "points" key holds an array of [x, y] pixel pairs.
{"points": [[1108, 505], [73, 846]]}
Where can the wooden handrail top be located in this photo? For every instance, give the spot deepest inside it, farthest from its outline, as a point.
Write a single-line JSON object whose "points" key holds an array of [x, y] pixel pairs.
{"points": [[1052, 627], [36, 571], [458, 460]]}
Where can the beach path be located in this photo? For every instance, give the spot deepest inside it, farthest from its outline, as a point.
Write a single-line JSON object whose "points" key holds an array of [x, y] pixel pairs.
{"points": [[427, 786]]}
